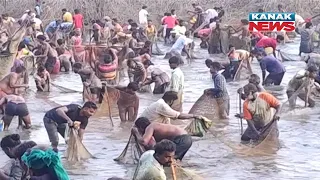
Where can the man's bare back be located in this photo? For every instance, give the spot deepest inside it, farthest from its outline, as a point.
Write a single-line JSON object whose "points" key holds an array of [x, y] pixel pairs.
{"points": [[165, 131], [15, 99], [7, 82]]}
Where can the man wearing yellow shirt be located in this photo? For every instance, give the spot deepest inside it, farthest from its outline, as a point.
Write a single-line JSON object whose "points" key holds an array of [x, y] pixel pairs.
{"points": [[66, 16]]}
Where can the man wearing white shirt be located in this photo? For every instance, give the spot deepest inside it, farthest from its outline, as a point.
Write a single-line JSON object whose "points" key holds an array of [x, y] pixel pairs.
{"points": [[151, 162], [209, 14], [182, 42], [143, 16], [176, 82]]}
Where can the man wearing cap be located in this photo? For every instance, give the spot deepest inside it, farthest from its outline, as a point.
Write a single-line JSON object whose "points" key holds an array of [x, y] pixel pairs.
{"points": [[219, 92], [155, 75]]}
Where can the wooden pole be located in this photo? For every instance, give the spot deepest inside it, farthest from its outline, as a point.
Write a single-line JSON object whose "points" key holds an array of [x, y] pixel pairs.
{"points": [[240, 111], [174, 176]]}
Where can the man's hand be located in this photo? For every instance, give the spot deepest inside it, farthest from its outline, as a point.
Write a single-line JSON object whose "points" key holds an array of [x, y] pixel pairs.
{"points": [[276, 117], [134, 130], [70, 123], [239, 115], [86, 84]]}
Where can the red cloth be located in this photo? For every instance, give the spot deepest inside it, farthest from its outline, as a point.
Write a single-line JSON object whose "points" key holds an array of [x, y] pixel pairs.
{"points": [[308, 20], [204, 32], [170, 22], [267, 42], [56, 68], [78, 21]]}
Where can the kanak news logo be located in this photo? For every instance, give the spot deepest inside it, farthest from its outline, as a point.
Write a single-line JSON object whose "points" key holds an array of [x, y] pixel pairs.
{"points": [[269, 21]]}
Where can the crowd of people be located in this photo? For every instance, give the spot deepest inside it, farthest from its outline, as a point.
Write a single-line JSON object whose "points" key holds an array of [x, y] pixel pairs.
{"points": [[113, 48]]}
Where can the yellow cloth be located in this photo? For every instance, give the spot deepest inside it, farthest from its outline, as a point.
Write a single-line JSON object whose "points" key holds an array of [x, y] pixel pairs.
{"points": [[268, 50], [67, 17]]}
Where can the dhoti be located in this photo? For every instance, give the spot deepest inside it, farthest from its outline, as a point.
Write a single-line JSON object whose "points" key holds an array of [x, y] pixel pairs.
{"points": [[177, 104], [224, 106]]}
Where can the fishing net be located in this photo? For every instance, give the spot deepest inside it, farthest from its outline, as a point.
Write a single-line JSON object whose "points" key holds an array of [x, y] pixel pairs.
{"points": [[131, 153], [206, 106], [76, 151], [182, 173], [64, 89], [198, 127], [288, 57]]}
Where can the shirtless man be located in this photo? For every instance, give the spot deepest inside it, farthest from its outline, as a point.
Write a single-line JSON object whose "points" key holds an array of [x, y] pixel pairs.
{"points": [[239, 59], [91, 83], [42, 79], [128, 102], [50, 55], [15, 106], [155, 132], [11, 83]]}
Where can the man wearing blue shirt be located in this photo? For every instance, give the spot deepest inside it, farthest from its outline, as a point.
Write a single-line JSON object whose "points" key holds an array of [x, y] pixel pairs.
{"points": [[273, 66]]}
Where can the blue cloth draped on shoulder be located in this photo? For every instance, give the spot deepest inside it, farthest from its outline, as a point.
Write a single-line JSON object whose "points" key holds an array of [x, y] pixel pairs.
{"points": [[37, 159]]}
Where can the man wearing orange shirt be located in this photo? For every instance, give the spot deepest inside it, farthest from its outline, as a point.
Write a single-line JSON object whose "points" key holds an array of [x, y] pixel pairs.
{"points": [[259, 109]]}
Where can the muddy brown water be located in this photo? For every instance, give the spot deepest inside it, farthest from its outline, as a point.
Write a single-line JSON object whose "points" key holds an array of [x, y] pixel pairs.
{"points": [[210, 157]]}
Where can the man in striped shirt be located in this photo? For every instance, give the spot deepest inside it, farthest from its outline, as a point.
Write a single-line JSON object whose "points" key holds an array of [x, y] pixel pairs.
{"points": [[219, 92], [136, 71]]}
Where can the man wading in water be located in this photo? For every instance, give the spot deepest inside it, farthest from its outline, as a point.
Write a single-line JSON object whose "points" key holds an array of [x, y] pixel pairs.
{"points": [[151, 162], [176, 83], [159, 131], [56, 119], [302, 78], [161, 111], [220, 92], [15, 106], [258, 111], [91, 83]]}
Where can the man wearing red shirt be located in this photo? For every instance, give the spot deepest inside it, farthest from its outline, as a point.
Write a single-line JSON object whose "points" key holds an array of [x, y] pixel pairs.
{"points": [[170, 22], [77, 19], [266, 42]]}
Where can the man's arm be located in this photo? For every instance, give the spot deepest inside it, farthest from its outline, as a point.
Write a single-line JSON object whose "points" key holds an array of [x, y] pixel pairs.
{"points": [[13, 80], [62, 112], [253, 128], [3, 100], [145, 139], [81, 133], [263, 76], [187, 116]]}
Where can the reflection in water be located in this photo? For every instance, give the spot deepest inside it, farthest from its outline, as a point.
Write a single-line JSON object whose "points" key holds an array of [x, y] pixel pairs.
{"points": [[214, 157]]}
